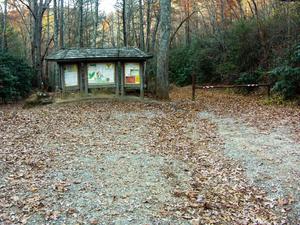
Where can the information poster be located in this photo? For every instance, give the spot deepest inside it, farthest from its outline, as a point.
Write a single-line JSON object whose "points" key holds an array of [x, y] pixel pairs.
{"points": [[132, 73], [71, 75], [101, 73]]}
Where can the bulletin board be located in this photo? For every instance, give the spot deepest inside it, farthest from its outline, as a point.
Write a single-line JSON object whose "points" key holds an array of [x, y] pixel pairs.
{"points": [[71, 75], [132, 73], [101, 73]]}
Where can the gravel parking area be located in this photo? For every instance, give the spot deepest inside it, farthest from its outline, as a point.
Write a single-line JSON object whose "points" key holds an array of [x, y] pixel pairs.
{"points": [[120, 162]]}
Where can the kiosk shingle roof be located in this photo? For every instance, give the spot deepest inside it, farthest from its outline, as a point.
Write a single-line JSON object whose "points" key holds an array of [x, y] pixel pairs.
{"points": [[85, 54]]}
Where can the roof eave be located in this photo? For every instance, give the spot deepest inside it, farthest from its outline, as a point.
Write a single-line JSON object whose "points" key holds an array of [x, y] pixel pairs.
{"points": [[101, 59]]}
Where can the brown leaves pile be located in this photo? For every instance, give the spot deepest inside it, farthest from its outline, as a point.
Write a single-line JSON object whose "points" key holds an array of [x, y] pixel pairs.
{"points": [[251, 109], [221, 193], [32, 139]]}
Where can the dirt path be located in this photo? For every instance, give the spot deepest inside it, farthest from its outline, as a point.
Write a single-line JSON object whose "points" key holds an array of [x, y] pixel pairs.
{"points": [[110, 162]]}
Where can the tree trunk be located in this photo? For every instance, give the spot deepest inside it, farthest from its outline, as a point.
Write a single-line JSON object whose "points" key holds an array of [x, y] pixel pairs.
{"points": [[55, 25], [103, 35], [70, 41], [118, 30], [154, 33], [61, 29], [31, 35], [47, 64], [55, 38], [35, 42], [95, 27], [124, 24], [187, 23], [37, 10], [162, 78], [4, 25], [86, 34], [148, 25], [142, 41], [112, 31], [80, 32], [38, 50], [134, 39]]}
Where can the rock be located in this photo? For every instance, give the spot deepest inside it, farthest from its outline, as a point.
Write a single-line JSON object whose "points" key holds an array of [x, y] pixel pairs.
{"points": [[94, 222], [200, 199], [39, 98], [195, 221]]}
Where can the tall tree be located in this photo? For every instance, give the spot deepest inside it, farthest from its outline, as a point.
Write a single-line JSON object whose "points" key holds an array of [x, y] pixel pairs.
{"points": [[112, 31], [95, 23], [154, 33], [55, 35], [148, 19], [162, 78], [68, 27], [37, 9], [187, 23], [4, 25], [124, 24], [80, 28], [62, 27], [142, 37], [118, 29]]}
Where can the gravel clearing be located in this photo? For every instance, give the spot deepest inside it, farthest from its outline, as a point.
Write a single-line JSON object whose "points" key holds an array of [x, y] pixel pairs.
{"points": [[116, 188], [271, 159], [117, 162]]}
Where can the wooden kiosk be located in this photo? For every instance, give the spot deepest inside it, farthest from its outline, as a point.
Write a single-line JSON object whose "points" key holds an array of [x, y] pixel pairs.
{"points": [[86, 68]]}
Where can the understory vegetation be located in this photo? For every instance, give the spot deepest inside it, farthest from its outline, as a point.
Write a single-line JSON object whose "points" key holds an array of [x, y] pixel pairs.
{"points": [[15, 77], [246, 51]]}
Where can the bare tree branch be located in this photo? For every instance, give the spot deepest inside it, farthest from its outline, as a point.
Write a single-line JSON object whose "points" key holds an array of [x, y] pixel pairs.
{"points": [[29, 8], [179, 26], [45, 6], [47, 48], [21, 14]]}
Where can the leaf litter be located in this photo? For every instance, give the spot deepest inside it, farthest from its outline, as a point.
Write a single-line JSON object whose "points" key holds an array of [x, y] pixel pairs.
{"points": [[110, 162]]}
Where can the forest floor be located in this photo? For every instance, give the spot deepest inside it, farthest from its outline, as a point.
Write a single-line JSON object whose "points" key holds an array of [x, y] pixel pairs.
{"points": [[222, 159]]}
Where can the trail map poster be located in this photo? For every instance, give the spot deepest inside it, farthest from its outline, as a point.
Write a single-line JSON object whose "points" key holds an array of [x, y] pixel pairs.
{"points": [[71, 75], [101, 73], [132, 73]]}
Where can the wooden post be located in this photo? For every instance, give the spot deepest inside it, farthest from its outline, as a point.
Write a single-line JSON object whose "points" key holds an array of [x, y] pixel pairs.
{"points": [[80, 78], [122, 78], [193, 85], [85, 75], [62, 77], [269, 90], [117, 69], [142, 74]]}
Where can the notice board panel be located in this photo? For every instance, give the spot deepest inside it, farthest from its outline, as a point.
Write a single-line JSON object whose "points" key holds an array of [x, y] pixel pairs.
{"points": [[132, 73], [101, 73], [71, 75]]}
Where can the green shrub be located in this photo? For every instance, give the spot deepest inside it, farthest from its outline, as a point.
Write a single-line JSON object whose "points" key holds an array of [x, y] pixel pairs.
{"points": [[288, 83], [199, 58], [243, 48], [249, 78], [7, 81], [204, 62], [219, 58], [180, 66], [288, 76], [15, 77]]}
